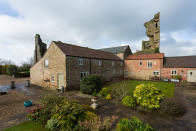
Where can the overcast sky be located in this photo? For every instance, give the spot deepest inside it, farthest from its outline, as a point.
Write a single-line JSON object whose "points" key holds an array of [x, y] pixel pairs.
{"points": [[94, 23]]}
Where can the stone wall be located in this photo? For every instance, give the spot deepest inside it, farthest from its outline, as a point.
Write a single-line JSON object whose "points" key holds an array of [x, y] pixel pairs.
{"points": [[137, 71], [40, 48], [105, 70], [41, 75], [153, 32]]}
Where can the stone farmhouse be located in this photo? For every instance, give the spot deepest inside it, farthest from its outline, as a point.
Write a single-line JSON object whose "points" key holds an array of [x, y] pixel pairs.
{"points": [[65, 65]]}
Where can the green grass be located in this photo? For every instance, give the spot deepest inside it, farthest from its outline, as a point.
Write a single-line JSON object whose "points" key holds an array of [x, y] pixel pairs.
{"points": [[166, 88], [27, 126]]}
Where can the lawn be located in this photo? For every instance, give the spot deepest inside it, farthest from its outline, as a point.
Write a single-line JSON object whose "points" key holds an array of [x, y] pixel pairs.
{"points": [[167, 88], [27, 126]]}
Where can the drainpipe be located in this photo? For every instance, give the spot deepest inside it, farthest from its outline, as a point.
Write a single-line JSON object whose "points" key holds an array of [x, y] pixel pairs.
{"points": [[90, 67]]}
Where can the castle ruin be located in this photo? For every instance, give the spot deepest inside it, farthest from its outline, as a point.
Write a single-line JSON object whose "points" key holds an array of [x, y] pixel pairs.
{"points": [[153, 32], [40, 48]]}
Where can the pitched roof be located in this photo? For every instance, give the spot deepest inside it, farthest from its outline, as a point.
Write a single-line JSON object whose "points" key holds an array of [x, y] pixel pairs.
{"points": [[145, 56], [73, 50], [116, 50], [180, 62]]}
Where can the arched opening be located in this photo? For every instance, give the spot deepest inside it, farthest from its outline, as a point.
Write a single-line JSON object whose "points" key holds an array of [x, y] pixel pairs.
{"points": [[156, 25]]}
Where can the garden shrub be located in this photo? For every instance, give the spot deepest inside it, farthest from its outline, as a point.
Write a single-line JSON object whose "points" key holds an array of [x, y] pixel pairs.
{"points": [[104, 91], [51, 100], [172, 106], [177, 77], [52, 124], [68, 114], [148, 96], [91, 84], [90, 116], [57, 113], [129, 101], [34, 114], [108, 97], [133, 124], [88, 108]]}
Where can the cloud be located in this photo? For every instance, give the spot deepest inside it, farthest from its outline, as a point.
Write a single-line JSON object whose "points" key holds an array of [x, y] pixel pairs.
{"points": [[96, 24]]}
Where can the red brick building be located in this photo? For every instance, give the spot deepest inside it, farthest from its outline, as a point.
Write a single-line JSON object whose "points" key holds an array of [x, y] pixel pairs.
{"points": [[147, 66]]}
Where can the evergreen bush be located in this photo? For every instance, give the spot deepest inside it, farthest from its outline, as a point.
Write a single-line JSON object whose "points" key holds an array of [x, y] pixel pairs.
{"points": [[148, 96], [129, 101], [91, 84], [133, 124]]}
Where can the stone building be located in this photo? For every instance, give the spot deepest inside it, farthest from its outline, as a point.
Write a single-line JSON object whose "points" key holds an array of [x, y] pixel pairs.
{"points": [[64, 65], [120, 51]]}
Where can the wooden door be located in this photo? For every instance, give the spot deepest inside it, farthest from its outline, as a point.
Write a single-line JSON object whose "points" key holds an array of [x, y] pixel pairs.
{"points": [[60, 80]]}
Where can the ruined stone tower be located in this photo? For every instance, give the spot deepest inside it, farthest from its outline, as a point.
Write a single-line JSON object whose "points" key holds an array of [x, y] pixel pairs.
{"points": [[153, 32], [40, 48]]}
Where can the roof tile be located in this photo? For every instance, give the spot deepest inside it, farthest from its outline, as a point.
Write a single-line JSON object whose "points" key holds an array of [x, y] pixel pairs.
{"points": [[73, 50], [145, 56], [180, 62]]}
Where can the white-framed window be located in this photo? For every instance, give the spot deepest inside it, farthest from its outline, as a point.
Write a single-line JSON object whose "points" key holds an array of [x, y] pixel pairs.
{"points": [[126, 72], [149, 64], [52, 78], [156, 73], [140, 64], [99, 63], [80, 61], [83, 74], [174, 72], [113, 63], [46, 62]]}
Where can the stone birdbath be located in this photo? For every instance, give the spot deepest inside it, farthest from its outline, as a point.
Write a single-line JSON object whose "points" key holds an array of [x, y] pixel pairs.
{"points": [[94, 100]]}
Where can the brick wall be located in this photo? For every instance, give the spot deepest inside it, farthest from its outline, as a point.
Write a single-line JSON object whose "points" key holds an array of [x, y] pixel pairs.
{"points": [[166, 72], [137, 71]]}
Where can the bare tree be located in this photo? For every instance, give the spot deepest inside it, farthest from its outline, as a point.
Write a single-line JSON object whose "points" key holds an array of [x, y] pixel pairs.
{"points": [[120, 90], [6, 62]]}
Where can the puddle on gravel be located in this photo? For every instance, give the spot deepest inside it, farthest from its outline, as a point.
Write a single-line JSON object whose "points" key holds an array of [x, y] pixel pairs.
{"points": [[19, 86]]}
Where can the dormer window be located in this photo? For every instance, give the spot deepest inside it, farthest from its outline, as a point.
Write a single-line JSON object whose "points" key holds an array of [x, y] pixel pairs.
{"points": [[46, 63], [80, 61]]}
